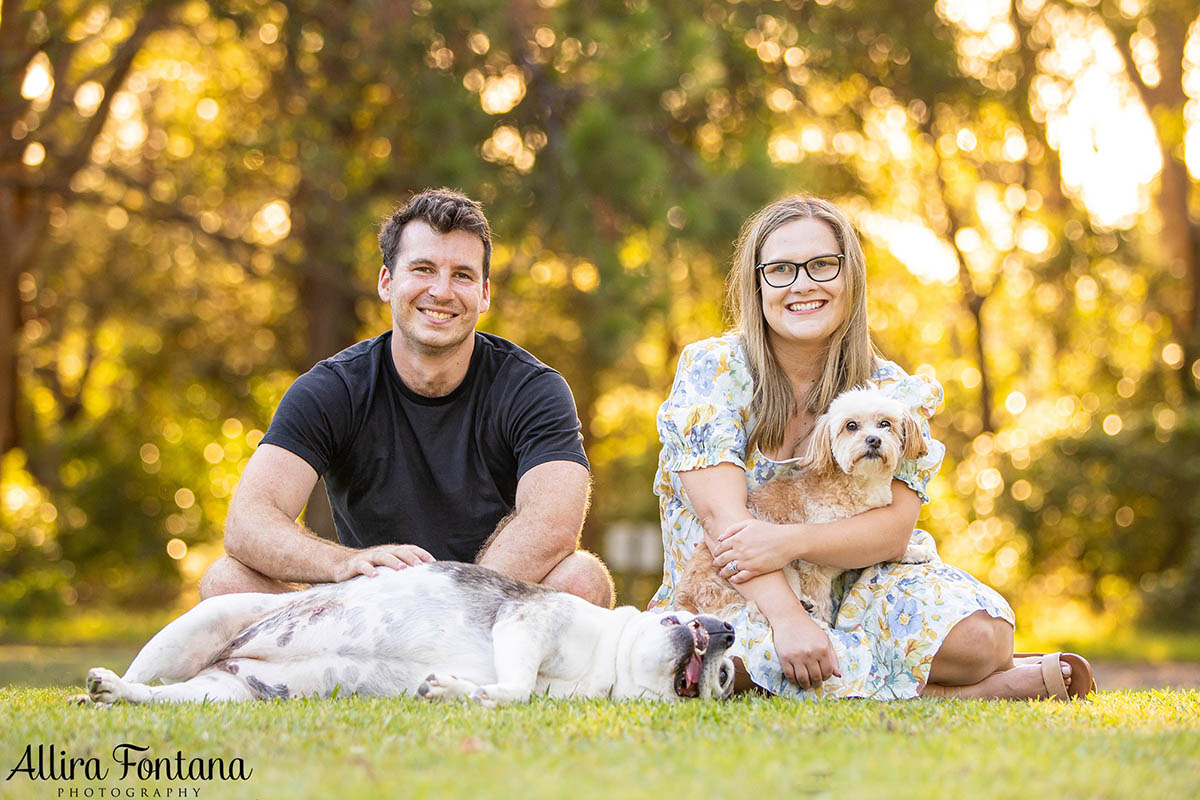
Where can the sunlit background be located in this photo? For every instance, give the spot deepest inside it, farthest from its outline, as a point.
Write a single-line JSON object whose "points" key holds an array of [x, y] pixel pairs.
{"points": [[189, 196]]}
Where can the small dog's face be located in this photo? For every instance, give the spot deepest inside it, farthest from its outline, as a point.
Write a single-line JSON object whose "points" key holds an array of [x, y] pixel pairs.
{"points": [[676, 656], [864, 432]]}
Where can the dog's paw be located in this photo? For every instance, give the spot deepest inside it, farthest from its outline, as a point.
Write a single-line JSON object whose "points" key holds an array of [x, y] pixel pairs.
{"points": [[918, 554], [104, 686], [82, 700], [442, 687], [481, 697], [430, 688]]}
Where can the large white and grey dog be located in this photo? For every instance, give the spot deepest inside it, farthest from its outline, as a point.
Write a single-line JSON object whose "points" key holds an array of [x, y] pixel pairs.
{"points": [[440, 631]]}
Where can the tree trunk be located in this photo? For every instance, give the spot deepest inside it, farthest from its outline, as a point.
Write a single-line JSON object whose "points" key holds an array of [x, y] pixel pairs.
{"points": [[1179, 238], [318, 516], [585, 400], [328, 302], [972, 300], [331, 327], [975, 306], [585, 391], [1165, 103], [10, 320], [22, 229]]}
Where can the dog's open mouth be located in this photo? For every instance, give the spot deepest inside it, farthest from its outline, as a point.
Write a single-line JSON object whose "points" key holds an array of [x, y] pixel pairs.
{"points": [[687, 682]]}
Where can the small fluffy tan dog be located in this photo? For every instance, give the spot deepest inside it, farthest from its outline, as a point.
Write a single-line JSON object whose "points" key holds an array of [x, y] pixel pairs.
{"points": [[848, 467]]}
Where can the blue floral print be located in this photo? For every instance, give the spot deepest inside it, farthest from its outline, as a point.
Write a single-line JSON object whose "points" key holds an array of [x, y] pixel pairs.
{"points": [[891, 618]]}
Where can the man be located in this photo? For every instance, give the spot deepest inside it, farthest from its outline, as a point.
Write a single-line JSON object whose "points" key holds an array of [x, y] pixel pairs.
{"points": [[435, 440]]}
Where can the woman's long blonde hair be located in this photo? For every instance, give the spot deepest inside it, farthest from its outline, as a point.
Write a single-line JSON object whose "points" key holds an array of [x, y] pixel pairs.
{"points": [[850, 358]]}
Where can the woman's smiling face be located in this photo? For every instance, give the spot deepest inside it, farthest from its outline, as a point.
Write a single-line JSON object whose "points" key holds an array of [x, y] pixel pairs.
{"points": [[807, 312]]}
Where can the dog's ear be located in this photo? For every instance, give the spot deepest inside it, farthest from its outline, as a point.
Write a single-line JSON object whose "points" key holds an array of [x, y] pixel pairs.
{"points": [[914, 442], [818, 456]]}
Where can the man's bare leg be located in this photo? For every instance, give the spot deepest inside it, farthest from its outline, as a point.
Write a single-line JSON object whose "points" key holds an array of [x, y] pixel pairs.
{"points": [[227, 575], [584, 575]]}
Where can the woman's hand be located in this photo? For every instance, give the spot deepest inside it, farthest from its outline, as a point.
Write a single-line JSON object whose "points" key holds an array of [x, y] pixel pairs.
{"points": [[805, 651], [758, 548]]}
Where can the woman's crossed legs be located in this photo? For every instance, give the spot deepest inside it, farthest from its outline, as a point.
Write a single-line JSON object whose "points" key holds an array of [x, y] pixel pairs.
{"points": [[976, 661]]}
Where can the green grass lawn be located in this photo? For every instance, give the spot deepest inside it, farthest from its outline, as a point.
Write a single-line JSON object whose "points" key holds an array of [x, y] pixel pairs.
{"points": [[1121, 744]]}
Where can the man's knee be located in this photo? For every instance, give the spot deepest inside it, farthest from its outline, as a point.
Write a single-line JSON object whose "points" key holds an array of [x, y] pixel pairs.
{"points": [[584, 575], [227, 575], [221, 578]]}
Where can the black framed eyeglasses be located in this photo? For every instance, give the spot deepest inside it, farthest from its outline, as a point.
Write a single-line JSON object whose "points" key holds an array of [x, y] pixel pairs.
{"points": [[784, 273]]}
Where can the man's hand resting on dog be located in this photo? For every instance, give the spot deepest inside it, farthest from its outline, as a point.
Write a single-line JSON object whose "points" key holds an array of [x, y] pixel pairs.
{"points": [[395, 556]]}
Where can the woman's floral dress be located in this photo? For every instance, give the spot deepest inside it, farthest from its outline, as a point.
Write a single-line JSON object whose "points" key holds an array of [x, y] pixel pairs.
{"points": [[891, 618]]}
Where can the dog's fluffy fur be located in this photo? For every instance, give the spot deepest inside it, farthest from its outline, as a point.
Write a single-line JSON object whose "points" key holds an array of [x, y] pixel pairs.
{"points": [[847, 469]]}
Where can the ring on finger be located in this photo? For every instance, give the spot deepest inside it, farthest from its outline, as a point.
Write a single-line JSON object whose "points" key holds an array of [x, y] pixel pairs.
{"points": [[733, 567]]}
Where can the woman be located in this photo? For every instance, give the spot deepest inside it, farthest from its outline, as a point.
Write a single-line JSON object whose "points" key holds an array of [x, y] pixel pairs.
{"points": [[740, 413]]}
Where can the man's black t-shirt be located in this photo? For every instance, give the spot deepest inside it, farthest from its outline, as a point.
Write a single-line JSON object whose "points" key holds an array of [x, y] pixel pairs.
{"points": [[438, 472]]}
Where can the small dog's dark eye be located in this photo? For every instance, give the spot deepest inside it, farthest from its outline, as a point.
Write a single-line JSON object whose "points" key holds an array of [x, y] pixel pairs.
{"points": [[670, 621], [885, 423], [851, 425]]}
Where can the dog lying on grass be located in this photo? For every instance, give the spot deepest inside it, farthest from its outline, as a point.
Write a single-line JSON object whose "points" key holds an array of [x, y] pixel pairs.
{"points": [[440, 631], [854, 451]]}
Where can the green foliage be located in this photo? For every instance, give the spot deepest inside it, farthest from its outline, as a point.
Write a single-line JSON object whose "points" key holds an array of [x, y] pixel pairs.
{"points": [[31, 577], [1123, 744], [200, 229], [1123, 509]]}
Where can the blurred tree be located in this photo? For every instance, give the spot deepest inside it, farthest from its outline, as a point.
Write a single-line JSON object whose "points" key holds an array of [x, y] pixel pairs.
{"points": [[1101, 364], [1152, 41], [345, 125], [1123, 510], [525, 86], [636, 152], [189, 195], [60, 71], [113, 176], [228, 194]]}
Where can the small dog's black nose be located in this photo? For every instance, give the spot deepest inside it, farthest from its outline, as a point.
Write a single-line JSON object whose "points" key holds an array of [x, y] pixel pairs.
{"points": [[873, 441]]}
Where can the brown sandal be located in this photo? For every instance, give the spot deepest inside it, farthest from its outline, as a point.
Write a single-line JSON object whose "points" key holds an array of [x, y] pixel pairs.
{"points": [[1082, 682]]}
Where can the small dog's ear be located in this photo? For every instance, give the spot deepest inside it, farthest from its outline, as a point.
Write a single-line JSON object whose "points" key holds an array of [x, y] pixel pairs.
{"points": [[818, 456], [914, 442]]}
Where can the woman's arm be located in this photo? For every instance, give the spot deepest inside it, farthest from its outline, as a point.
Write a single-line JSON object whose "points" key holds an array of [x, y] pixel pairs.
{"points": [[874, 536], [718, 496], [871, 537]]}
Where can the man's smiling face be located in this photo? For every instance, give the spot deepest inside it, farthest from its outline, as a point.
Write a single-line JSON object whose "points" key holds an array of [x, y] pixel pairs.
{"points": [[435, 288]]}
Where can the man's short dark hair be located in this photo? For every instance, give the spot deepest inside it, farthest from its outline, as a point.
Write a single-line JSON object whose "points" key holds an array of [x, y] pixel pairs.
{"points": [[444, 210]]}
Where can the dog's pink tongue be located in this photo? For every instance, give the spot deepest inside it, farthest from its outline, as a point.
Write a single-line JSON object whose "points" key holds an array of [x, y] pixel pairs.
{"points": [[693, 669]]}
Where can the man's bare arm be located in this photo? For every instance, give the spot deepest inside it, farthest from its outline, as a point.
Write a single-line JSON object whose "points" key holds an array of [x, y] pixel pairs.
{"points": [[261, 530], [552, 500]]}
